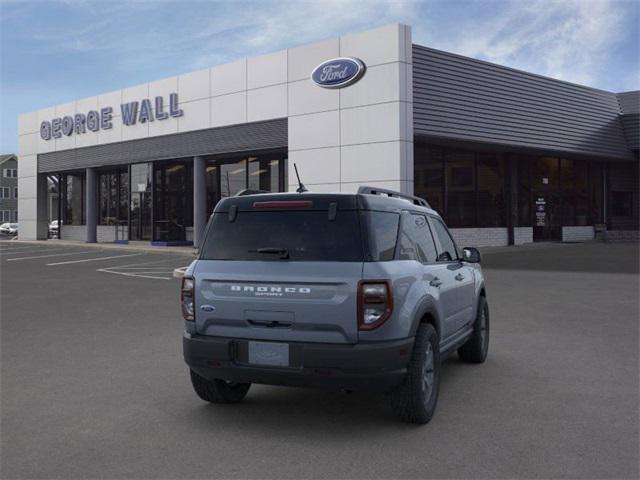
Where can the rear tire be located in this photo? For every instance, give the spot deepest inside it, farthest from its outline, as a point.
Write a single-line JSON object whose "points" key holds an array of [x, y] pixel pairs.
{"points": [[218, 391], [415, 400], [476, 348]]}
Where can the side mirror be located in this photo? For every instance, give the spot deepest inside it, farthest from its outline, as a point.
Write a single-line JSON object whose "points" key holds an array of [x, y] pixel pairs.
{"points": [[471, 255]]}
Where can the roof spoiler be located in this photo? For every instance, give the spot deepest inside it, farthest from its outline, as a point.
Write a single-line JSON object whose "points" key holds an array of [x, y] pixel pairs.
{"points": [[365, 190], [248, 191]]}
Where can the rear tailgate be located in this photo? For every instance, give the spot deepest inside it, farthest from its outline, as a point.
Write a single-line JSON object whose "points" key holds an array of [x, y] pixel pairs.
{"points": [[281, 301], [281, 267]]}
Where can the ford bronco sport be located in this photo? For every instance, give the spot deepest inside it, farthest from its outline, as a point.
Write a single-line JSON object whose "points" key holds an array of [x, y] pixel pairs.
{"points": [[363, 291]]}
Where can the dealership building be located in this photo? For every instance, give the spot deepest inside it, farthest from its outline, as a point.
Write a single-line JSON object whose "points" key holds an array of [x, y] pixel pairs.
{"points": [[505, 156]]}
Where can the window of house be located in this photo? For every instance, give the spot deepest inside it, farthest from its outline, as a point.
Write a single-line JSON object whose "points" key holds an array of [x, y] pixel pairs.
{"points": [[10, 173], [15, 215], [5, 214], [15, 192], [6, 192]]}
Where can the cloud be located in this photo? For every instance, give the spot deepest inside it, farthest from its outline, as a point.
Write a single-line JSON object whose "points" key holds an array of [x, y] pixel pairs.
{"points": [[569, 40]]}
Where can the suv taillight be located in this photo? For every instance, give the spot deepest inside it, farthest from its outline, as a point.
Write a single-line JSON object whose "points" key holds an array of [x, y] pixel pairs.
{"points": [[186, 298], [375, 303]]}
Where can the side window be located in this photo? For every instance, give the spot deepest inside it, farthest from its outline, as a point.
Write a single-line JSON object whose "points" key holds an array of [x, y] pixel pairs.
{"points": [[383, 232], [448, 250], [416, 242]]}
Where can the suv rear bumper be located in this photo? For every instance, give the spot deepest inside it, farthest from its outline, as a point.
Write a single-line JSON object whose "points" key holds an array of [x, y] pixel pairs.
{"points": [[369, 366]]}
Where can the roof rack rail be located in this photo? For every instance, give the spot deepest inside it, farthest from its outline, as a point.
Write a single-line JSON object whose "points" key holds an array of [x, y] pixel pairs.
{"points": [[248, 191], [392, 193]]}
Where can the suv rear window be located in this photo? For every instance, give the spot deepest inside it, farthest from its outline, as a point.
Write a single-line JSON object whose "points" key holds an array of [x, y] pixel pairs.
{"points": [[298, 235]]}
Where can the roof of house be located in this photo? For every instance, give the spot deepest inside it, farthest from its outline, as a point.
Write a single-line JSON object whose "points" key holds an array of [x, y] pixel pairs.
{"points": [[6, 158]]}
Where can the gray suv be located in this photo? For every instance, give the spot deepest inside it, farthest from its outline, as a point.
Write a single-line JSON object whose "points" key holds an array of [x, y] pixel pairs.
{"points": [[363, 291]]}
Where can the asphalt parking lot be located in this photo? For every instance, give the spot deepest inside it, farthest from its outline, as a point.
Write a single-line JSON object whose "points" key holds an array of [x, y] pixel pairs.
{"points": [[94, 385]]}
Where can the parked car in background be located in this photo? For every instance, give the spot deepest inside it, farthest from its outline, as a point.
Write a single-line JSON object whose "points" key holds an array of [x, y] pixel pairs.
{"points": [[54, 229], [9, 229]]}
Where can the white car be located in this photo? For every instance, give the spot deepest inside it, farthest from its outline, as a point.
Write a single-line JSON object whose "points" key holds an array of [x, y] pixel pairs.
{"points": [[9, 228]]}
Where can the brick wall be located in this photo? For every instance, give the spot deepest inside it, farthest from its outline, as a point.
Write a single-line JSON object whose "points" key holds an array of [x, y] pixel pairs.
{"points": [[480, 237], [577, 234], [613, 236], [522, 235], [74, 232]]}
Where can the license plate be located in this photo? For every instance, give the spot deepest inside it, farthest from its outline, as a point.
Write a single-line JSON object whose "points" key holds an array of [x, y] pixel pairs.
{"points": [[267, 353]]}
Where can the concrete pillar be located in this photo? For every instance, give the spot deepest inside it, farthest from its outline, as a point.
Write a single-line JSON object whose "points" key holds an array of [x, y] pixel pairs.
{"points": [[91, 207], [42, 216], [199, 198]]}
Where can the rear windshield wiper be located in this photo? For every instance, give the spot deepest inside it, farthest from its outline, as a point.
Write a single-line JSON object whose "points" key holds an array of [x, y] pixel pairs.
{"points": [[283, 252]]}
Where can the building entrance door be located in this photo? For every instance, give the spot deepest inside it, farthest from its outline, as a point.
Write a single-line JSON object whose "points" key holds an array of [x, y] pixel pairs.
{"points": [[140, 219], [546, 200]]}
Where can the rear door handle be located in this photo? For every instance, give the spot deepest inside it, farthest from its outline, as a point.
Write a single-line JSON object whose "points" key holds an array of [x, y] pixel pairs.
{"points": [[435, 282], [459, 277]]}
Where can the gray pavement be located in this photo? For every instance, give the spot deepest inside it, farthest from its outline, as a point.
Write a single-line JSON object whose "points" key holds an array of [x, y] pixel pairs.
{"points": [[94, 386]]}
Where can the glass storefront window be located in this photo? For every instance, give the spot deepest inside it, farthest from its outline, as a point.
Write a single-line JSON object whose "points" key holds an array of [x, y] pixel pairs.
{"points": [[491, 199], [460, 189], [73, 199], [113, 198], [429, 176], [173, 201], [228, 176]]}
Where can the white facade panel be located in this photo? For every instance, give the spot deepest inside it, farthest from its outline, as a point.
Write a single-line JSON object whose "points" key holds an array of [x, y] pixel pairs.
{"points": [[306, 97], [131, 132], [111, 99], [194, 85], [27, 187], [266, 103], [371, 124], [113, 134], [370, 162], [303, 59], [87, 104], [28, 144], [315, 130], [166, 126], [229, 109], [196, 116], [87, 139], [229, 78], [265, 70], [383, 84], [161, 88], [131, 94], [374, 47], [27, 166], [320, 165], [28, 123]]}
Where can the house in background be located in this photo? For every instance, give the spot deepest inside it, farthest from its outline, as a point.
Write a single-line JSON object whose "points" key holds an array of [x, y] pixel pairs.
{"points": [[9, 188]]}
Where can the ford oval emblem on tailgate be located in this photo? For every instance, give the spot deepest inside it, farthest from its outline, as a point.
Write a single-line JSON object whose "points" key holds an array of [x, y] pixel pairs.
{"points": [[339, 72], [207, 308]]}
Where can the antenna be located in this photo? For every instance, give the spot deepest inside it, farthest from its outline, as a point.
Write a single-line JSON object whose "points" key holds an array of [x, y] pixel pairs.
{"points": [[301, 188]]}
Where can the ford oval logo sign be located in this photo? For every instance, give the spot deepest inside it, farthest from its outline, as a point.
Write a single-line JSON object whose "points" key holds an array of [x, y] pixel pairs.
{"points": [[338, 73]]}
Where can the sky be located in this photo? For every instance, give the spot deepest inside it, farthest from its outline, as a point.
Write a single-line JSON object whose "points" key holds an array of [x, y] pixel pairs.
{"points": [[55, 51]]}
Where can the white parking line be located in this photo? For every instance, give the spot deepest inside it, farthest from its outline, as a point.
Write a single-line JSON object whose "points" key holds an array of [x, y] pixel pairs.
{"points": [[38, 250], [143, 270], [92, 259], [52, 255]]}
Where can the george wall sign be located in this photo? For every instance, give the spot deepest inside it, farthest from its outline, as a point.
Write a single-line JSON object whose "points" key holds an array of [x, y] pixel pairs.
{"points": [[339, 72], [95, 120]]}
